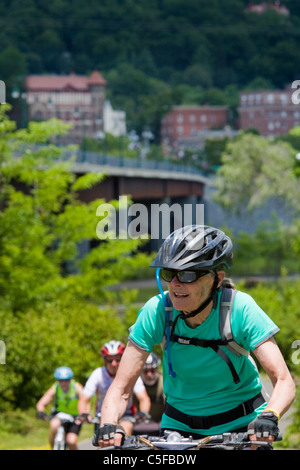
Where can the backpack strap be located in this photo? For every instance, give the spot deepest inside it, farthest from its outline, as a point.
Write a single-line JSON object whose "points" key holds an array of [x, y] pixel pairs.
{"points": [[226, 304], [165, 344], [169, 320]]}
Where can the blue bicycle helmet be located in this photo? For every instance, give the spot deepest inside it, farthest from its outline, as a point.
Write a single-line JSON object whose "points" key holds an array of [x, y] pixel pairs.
{"points": [[63, 373]]}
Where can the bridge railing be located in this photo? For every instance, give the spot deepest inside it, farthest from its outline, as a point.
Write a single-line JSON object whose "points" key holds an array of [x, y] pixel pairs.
{"points": [[93, 158]]}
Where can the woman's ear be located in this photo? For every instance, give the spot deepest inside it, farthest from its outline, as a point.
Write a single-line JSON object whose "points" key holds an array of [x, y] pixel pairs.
{"points": [[221, 276]]}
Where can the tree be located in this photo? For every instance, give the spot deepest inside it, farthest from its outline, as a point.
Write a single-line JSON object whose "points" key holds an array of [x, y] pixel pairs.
{"points": [[49, 291], [255, 169]]}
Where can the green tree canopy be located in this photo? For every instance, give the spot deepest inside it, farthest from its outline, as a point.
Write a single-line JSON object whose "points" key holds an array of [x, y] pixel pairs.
{"points": [[50, 288], [255, 169]]}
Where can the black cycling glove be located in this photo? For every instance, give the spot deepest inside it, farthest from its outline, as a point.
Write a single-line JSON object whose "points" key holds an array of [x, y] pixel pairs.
{"points": [[42, 415], [264, 425], [106, 432], [141, 416]]}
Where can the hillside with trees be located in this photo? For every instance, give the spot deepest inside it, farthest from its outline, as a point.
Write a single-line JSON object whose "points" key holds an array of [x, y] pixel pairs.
{"points": [[57, 304], [153, 54]]}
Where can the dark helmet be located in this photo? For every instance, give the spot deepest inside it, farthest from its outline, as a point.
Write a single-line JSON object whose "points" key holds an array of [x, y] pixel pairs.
{"points": [[195, 247]]}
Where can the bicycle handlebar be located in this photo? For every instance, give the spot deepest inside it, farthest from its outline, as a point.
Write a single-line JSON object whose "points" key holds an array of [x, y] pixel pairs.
{"points": [[175, 441], [67, 418]]}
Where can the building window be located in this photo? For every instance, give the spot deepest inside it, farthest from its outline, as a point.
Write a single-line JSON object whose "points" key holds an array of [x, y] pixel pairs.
{"points": [[258, 98], [251, 100], [283, 99], [244, 100], [179, 118]]}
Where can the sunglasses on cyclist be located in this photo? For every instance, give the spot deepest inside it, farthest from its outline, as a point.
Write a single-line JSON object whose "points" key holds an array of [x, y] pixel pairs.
{"points": [[182, 276], [116, 359]]}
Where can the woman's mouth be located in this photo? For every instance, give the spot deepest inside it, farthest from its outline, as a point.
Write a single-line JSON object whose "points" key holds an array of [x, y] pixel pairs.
{"points": [[178, 295]]}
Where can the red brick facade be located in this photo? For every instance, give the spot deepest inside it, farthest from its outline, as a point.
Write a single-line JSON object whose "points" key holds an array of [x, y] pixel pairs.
{"points": [[74, 99], [270, 112], [184, 122]]}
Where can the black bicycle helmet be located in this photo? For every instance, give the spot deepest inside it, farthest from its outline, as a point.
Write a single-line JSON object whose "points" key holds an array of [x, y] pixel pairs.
{"points": [[195, 247]]}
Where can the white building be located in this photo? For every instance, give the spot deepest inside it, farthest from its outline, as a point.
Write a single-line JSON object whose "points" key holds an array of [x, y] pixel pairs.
{"points": [[114, 120]]}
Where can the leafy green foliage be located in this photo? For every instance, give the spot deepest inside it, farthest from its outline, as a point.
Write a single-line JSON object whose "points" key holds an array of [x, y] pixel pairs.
{"points": [[255, 169], [271, 250], [51, 288], [150, 48]]}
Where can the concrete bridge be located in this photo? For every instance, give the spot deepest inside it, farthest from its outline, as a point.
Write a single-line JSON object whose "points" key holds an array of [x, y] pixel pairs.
{"points": [[142, 180], [153, 184]]}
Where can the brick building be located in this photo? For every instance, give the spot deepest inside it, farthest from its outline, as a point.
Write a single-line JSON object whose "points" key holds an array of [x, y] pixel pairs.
{"points": [[270, 112], [189, 124], [74, 99]]}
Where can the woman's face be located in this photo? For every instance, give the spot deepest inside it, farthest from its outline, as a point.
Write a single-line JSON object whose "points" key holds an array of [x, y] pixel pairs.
{"points": [[187, 297]]}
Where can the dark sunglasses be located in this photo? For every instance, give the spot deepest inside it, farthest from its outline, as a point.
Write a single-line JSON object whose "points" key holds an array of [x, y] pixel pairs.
{"points": [[112, 360], [182, 276]]}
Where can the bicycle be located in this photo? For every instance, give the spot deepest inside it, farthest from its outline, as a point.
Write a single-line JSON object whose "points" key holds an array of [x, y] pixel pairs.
{"points": [[174, 441], [60, 442]]}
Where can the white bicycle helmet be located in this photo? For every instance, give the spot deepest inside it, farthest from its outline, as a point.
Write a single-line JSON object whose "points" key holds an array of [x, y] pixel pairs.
{"points": [[152, 362], [112, 348]]}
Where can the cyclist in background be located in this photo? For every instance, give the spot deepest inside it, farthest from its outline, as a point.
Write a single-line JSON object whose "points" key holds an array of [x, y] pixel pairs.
{"points": [[65, 393], [100, 381], [153, 381], [210, 389]]}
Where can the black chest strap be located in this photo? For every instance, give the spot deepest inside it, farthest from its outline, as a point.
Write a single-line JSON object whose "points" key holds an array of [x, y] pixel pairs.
{"points": [[205, 343], [206, 422]]}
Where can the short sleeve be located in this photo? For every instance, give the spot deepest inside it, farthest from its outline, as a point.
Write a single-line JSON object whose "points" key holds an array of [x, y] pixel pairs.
{"points": [[91, 384], [148, 329], [139, 386], [250, 325]]}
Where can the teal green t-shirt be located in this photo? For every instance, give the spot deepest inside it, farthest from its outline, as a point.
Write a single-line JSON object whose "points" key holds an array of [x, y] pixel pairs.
{"points": [[203, 385]]}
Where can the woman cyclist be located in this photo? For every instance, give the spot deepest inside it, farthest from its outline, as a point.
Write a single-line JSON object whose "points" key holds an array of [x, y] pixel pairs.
{"points": [[209, 388]]}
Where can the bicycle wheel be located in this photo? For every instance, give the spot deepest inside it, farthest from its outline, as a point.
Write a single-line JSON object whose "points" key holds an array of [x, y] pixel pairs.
{"points": [[60, 440]]}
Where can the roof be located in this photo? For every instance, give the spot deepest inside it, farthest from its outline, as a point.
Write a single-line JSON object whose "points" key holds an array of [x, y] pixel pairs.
{"points": [[63, 82]]}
